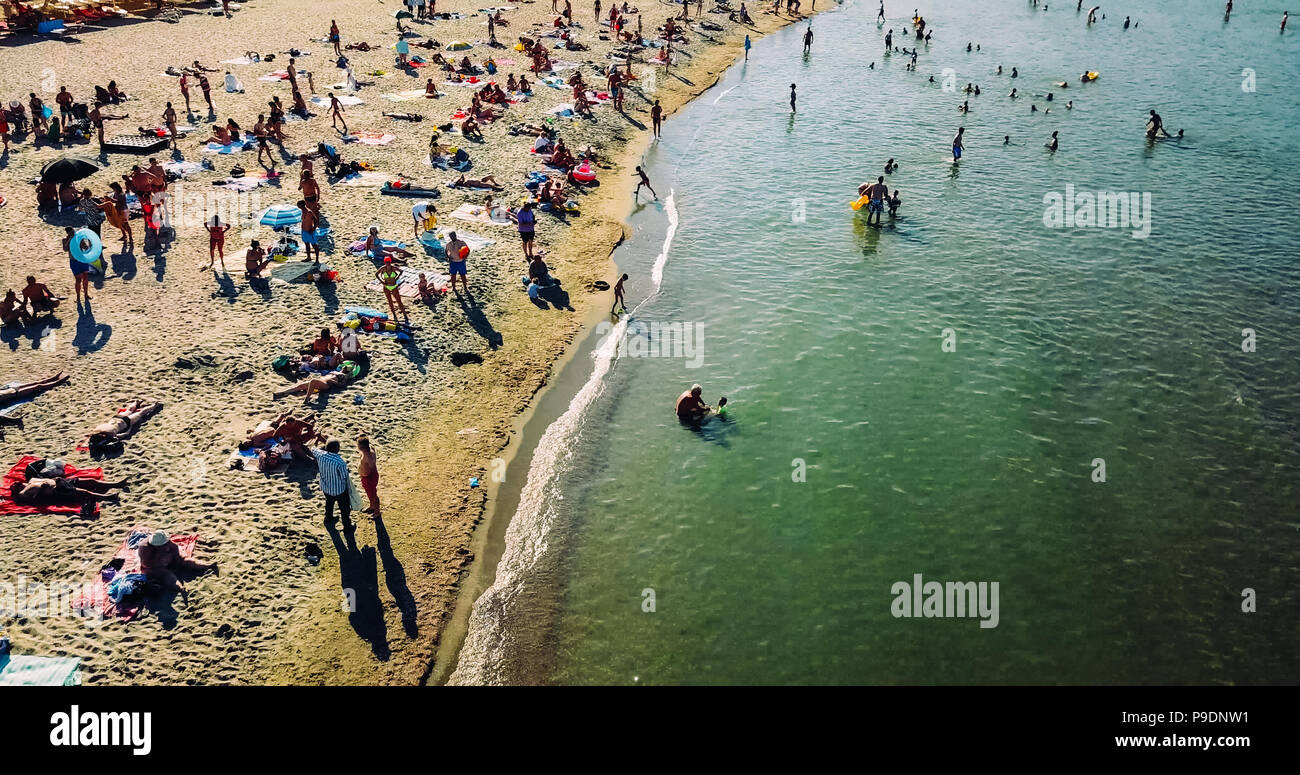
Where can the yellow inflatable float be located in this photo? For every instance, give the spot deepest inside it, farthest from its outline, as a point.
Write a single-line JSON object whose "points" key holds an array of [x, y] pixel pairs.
{"points": [[859, 203], [1091, 75]]}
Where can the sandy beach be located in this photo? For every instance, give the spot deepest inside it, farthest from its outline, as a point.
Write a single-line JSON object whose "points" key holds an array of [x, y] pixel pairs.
{"points": [[161, 326]]}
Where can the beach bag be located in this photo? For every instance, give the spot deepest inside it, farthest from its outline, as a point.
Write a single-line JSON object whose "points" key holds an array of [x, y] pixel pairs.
{"points": [[354, 494], [281, 363], [124, 586]]}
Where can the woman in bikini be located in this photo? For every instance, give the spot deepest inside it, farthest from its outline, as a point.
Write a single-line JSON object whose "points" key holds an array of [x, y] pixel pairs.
{"points": [[123, 424]]}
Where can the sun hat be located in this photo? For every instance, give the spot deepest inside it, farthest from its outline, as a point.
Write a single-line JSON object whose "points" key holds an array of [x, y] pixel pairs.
{"points": [[158, 539]]}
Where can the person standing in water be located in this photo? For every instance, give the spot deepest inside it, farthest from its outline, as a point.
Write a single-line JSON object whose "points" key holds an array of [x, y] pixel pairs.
{"points": [[1052, 144], [618, 295], [957, 146], [1284, 17], [808, 39], [792, 99], [747, 44], [1156, 125]]}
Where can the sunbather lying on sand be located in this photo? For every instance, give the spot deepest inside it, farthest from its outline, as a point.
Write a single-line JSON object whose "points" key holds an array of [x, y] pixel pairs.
{"points": [[43, 491], [487, 181], [125, 423], [335, 380], [17, 393]]}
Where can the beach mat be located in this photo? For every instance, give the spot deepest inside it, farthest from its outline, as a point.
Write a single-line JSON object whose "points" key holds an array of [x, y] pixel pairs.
{"points": [[24, 670], [408, 282], [136, 143], [17, 475], [96, 599], [477, 214]]}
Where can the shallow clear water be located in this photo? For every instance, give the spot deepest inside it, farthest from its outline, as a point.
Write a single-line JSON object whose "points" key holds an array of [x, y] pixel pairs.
{"points": [[974, 465]]}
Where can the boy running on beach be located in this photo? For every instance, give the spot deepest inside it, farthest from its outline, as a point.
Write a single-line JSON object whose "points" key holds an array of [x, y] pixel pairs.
{"points": [[336, 113], [645, 181], [618, 295]]}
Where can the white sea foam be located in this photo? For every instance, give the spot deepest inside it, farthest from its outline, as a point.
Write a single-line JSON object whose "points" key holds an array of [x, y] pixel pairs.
{"points": [[487, 642]]}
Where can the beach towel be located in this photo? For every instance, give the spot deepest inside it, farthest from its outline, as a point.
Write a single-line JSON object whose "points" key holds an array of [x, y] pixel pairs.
{"points": [[553, 81], [365, 320], [96, 597], [237, 61], [408, 282], [183, 169], [298, 271], [478, 214], [365, 178], [18, 476], [245, 461], [560, 65], [24, 670], [370, 138], [563, 109], [346, 100], [226, 150], [471, 240], [358, 246], [403, 96], [278, 75], [241, 184]]}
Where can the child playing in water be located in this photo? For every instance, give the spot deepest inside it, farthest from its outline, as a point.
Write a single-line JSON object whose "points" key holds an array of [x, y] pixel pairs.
{"points": [[722, 407]]}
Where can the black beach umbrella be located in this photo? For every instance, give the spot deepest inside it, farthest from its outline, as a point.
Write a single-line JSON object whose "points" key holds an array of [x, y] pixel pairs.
{"points": [[68, 169]]}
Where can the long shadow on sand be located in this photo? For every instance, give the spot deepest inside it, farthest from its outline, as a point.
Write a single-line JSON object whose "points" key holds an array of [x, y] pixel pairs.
{"points": [[395, 578], [478, 321], [13, 335], [91, 335], [359, 578]]}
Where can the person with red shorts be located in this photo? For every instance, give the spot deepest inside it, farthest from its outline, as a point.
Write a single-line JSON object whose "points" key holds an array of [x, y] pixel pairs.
{"points": [[369, 471]]}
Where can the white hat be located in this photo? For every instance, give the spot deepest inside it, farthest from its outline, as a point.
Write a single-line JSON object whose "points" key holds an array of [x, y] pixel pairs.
{"points": [[158, 539]]}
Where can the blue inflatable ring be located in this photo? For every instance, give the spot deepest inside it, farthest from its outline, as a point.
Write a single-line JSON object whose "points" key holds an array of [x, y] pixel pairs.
{"points": [[89, 255]]}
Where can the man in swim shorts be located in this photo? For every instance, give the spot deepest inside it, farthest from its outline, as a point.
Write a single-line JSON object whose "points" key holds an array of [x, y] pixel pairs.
{"points": [[310, 223], [957, 146], [457, 253], [877, 192]]}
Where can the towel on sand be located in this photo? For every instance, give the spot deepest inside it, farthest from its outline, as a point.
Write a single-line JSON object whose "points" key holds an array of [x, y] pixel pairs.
{"points": [[408, 282], [17, 476], [363, 178], [96, 598], [25, 670], [478, 214], [404, 96], [370, 138], [346, 100], [471, 240]]}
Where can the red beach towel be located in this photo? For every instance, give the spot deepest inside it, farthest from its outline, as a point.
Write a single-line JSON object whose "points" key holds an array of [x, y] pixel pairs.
{"points": [[16, 476], [97, 598]]}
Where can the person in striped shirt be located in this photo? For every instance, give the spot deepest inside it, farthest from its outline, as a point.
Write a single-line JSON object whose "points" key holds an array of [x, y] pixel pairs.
{"points": [[334, 482]]}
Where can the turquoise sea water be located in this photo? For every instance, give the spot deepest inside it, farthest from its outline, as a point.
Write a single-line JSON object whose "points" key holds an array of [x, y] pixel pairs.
{"points": [[1072, 344]]}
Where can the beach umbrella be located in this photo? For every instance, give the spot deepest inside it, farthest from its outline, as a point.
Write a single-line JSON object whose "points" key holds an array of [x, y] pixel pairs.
{"points": [[280, 216], [67, 169], [458, 45]]}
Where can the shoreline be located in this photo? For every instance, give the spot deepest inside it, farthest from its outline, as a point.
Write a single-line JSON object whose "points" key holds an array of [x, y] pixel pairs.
{"points": [[489, 537]]}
